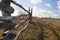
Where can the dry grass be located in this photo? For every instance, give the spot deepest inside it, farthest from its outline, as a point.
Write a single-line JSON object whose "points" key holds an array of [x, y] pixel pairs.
{"points": [[40, 29]]}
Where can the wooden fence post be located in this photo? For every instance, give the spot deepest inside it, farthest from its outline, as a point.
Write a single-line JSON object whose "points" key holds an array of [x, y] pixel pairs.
{"points": [[30, 14]]}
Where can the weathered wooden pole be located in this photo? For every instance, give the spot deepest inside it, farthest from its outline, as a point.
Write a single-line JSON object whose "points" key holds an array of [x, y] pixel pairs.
{"points": [[30, 14]]}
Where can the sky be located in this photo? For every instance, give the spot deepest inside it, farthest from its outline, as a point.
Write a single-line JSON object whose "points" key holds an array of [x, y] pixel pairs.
{"points": [[41, 8]]}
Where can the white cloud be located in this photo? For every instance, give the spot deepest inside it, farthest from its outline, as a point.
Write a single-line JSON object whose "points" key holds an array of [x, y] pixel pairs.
{"points": [[0, 13], [58, 4], [43, 13], [17, 10], [35, 1], [48, 5]]}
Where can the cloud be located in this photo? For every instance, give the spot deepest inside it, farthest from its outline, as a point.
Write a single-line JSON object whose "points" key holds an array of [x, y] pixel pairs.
{"points": [[17, 11], [35, 1], [0, 13], [38, 12], [48, 5], [58, 4]]}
